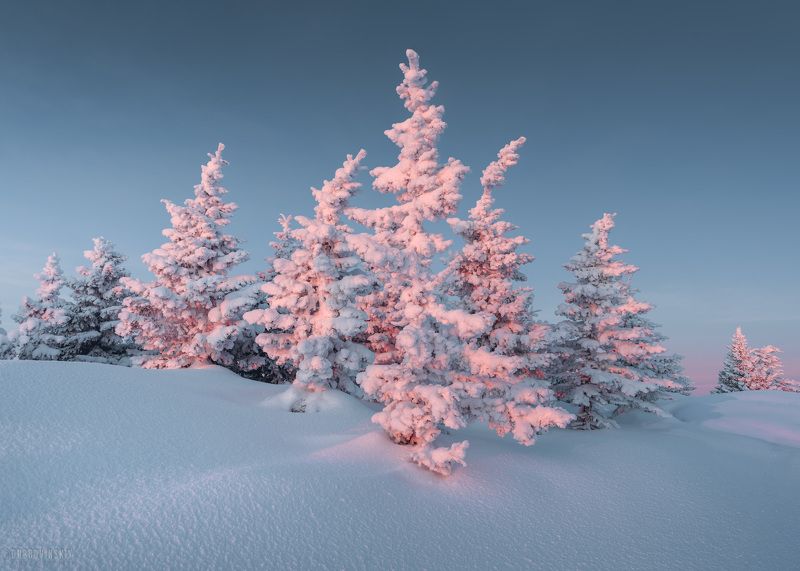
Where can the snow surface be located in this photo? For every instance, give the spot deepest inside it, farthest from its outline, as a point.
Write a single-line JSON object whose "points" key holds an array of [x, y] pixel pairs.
{"points": [[190, 469], [772, 416]]}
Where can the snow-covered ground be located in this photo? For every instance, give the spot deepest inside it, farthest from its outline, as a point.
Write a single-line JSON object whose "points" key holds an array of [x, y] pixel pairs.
{"points": [[188, 469]]}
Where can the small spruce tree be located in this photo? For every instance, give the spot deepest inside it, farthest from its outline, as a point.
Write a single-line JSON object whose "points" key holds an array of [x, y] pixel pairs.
{"points": [[767, 371], [42, 319], [737, 368], [97, 295], [6, 347], [788, 385]]}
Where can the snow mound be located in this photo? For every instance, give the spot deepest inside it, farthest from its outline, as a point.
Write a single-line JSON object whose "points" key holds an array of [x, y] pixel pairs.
{"points": [[296, 399], [772, 416], [145, 469]]}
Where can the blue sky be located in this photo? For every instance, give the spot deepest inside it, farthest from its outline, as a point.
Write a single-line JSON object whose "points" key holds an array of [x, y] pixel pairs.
{"points": [[682, 117]]}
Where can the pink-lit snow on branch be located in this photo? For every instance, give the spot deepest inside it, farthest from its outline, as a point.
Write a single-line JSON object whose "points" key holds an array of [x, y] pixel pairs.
{"points": [[425, 189], [494, 175]]}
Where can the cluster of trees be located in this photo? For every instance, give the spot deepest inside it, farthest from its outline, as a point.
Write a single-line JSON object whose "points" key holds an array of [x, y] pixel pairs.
{"points": [[756, 369], [52, 327], [351, 300]]}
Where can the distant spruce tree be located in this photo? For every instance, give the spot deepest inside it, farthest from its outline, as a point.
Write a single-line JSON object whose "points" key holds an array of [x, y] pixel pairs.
{"points": [[97, 296], [767, 371], [42, 319], [737, 368], [6, 347]]}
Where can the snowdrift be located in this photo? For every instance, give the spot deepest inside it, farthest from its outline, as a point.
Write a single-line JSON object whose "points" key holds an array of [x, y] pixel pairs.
{"points": [[189, 469]]}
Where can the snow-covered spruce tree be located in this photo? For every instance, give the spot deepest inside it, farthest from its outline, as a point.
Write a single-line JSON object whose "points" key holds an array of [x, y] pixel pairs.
{"points": [[643, 350], [6, 347], [504, 365], [40, 334], [737, 367], [425, 191], [788, 385], [270, 371], [416, 338], [192, 312], [593, 345], [97, 295], [312, 316], [767, 371]]}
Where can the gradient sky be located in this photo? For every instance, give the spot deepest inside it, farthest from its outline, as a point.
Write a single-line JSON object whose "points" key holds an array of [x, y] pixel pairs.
{"points": [[682, 117]]}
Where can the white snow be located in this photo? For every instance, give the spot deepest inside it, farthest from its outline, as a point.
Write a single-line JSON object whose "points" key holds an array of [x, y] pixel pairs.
{"points": [[772, 416], [188, 469]]}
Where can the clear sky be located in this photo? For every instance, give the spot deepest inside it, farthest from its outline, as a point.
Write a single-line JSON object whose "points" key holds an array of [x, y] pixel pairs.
{"points": [[682, 117]]}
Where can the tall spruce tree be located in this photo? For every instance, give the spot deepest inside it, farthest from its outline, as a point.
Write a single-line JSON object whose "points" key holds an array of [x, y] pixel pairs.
{"points": [[504, 365], [312, 316], [192, 312], [415, 337], [595, 348]]}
